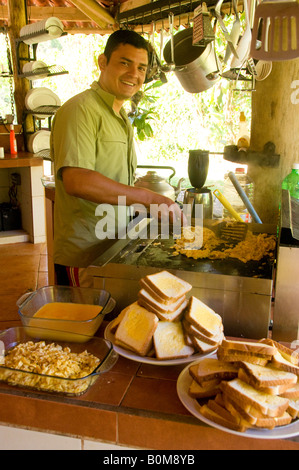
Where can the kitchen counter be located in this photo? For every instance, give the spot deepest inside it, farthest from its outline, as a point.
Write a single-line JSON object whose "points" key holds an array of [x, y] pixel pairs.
{"points": [[132, 406]]}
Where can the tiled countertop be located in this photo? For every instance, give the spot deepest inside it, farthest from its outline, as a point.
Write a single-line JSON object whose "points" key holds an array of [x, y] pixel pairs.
{"points": [[131, 405]]}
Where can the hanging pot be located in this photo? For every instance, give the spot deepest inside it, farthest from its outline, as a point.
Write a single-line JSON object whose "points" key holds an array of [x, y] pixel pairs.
{"points": [[196, 67]]}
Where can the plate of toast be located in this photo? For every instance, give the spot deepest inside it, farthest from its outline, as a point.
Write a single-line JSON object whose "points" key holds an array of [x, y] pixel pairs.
{"points": [[163, 326], [247, 388]]}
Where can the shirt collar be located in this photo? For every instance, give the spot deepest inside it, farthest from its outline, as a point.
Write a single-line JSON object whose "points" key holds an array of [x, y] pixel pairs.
{"points": [[108, 98]]}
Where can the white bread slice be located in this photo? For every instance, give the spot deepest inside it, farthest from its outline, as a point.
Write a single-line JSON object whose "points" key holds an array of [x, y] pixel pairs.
{"points": [[169, 341], [167, 285], [203, 318], [218, 406], [176, 315], [293, 408], [192, 330], [287, 353], [136, 328], [281, 363], [249, 347], [247, 396], [267, 376], [292, 393], [271, 389], [211, 368], [228, 355], [164, 308], [216, 418], [201, 346], [144, 285], [207, 389], [255, 418]]}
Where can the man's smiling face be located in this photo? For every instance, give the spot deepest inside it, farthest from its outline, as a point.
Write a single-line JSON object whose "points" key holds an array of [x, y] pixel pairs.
{"points": [[125, 72]]}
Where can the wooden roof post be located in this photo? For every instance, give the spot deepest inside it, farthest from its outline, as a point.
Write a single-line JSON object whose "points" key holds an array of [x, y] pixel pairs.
{"points": [[275, 118], [16, 20]]}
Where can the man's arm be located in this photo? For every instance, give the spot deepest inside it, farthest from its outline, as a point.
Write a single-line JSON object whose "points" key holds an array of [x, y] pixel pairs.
{"points": [[95, 187]]}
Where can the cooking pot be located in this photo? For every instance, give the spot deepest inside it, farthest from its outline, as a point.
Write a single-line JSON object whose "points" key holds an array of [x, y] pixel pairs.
{"points": [[196, 67], [157, 183], [202, 196]]}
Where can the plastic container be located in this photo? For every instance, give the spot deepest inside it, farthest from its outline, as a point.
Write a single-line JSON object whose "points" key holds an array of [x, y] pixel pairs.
{"points": [[64, 329], [99, 347], [291, 182], [243, 138], [13, 141], [231, 194]]}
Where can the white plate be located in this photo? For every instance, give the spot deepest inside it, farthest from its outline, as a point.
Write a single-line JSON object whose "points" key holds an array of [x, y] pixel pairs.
{"points": [[281, 432], [31, 67], [41, 96], [150, 360], [38, 141]]}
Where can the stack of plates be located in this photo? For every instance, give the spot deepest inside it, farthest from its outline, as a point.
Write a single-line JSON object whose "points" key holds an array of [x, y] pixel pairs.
{"points": [[33, 68], [41, 96], [38, 141], [41, 31]]}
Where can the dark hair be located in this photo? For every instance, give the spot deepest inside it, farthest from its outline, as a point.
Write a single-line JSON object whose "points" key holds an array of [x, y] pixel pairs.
{"points": [[124, 36]]}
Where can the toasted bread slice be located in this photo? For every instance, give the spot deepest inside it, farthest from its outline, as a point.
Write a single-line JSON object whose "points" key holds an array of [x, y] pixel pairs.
{"points": [[207, 389], [175, 315], [211, 368], [136, 328], [287, 353], [167, 285], [247, 396], [251, 380], [203, 318], [192, 330], [161, 300], [267, 376], [292, 393], [255, 418], [169, 341], [164, 308], [283, 364], [216, 418], [228, 355], [259, 348], [201, 346], [293, 408]]}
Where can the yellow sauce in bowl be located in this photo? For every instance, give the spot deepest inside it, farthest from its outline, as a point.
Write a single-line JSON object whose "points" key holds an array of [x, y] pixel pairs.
{"points": [[68, 311]]}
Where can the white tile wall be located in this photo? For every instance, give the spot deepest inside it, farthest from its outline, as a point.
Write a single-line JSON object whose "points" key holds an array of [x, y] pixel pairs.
{"points": [[23, 439]]}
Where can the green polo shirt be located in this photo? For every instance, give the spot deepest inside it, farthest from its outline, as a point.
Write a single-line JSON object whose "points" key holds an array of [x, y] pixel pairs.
{"points": [[88, 133]]}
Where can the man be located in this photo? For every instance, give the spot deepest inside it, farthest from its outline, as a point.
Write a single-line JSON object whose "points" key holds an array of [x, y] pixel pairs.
{"points": [[94, 158]]}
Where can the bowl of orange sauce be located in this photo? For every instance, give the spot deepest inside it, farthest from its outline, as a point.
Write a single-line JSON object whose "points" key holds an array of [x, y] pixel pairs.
{"points": [[63, 313]]}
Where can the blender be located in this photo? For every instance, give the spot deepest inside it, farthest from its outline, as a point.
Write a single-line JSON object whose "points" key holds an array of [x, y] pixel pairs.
{"points": [[198, 166]]}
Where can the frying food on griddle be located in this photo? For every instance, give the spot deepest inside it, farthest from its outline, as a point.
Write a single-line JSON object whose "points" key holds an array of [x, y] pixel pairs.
{"points": [[201, 243]]}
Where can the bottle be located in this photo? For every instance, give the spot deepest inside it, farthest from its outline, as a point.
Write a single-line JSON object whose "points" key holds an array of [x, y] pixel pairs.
{"points": [[291, 182], [231, 194], [13, 142], [243, 138]]}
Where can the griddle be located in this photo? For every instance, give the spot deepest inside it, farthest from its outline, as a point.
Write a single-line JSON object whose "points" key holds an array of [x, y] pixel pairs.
{"points": [[158, 253]]}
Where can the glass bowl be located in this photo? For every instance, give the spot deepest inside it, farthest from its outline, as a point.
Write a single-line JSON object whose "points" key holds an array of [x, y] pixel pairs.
{"points": [[54, 383], [64, 329]]}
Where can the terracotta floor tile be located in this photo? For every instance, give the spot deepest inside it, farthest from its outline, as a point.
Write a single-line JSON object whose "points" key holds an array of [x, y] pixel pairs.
{"points": [[154, 395], [109, 389], [17, 282], [160, 372]]}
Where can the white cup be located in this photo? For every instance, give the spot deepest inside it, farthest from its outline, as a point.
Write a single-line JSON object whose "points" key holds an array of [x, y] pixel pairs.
{"points": [[1, 152]]}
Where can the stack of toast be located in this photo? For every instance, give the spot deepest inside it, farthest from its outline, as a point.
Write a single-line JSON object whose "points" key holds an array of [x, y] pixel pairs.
{"points": [[173, 327], [203, 327], [249, 385]]}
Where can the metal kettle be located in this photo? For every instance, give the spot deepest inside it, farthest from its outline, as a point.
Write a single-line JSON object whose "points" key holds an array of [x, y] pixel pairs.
{"points": [[157, 183]]}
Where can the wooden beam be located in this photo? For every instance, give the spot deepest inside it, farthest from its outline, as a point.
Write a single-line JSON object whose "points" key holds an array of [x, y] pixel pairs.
{"points": [[39, 13], [16, 20], [95, 12]]}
